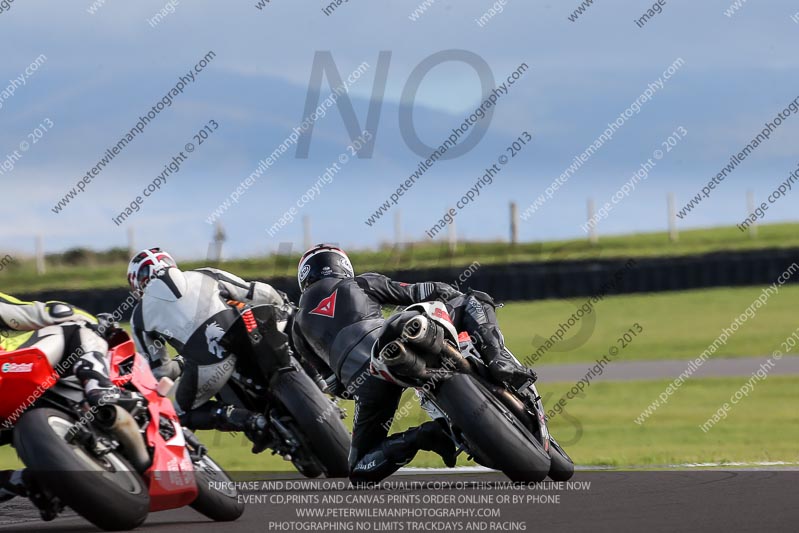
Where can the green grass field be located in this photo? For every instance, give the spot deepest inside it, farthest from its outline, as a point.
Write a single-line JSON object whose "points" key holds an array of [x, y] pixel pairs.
{"points": [[677, 325], [20, 276]]}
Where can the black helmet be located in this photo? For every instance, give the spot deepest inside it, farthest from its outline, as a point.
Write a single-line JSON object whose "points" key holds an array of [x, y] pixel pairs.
{"points": [[323, 261]]}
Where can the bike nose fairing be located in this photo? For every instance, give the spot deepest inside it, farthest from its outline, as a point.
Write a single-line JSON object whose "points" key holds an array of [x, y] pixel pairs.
{"points": [[24, 376]]}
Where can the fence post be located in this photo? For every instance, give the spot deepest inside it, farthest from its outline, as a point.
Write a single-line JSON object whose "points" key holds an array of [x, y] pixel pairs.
{"points": [[514, 224], [41, 267], [397, 229], [452, 237], [593, 238], [674, 235], [306, 232], [219, 238], [750, 206], [131, 242]]}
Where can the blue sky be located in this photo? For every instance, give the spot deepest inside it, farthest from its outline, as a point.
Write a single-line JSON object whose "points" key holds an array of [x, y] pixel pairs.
{"points": [[105, 69]]}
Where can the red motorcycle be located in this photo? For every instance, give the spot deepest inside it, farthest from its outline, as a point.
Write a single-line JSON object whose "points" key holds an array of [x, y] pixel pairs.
{"points": [[110, 465]]}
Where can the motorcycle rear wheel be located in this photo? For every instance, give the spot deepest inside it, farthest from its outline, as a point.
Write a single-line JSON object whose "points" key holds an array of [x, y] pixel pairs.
{"points": [[497, 438], [107, 491], [318, 421], [562, 467]]}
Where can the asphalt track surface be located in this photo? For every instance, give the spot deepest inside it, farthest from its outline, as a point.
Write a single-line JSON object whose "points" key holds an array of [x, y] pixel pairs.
{"points": [[638, 370], [708, 500]]}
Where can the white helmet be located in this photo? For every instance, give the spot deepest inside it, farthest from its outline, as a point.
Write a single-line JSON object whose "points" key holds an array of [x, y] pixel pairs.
{"points": [[146, 265]]}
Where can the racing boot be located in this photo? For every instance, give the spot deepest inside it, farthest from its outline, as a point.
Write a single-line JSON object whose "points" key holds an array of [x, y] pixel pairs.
{"points": [[127, 400], [430, 436], [480, 321], [398, 450], [254, 425], [501, 364], [92, 372]]}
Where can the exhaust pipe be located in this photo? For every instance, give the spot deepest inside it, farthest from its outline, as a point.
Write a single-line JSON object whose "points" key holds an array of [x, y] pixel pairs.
{"points": [[454, 354], [400, 359], [424, 333], [121, 425]]}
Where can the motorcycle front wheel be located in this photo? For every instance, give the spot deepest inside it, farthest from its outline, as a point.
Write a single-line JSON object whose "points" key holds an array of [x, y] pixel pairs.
{"points": [[217, 498], [105, 490]]}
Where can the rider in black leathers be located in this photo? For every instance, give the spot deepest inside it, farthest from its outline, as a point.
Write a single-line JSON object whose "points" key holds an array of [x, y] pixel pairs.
{"points": [[338, 321]]}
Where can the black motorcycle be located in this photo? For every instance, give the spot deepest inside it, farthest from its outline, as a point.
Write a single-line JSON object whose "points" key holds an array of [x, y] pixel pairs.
{"points": [[500, 425], [305, 426]]}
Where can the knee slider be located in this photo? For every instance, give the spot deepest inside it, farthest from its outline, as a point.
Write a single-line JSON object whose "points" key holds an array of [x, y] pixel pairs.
{"points": [[60, 310]]}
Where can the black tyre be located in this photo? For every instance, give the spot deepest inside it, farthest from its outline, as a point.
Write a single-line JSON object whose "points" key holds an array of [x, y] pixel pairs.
{"points": [[562, 466], [309, 469], [317, 420], [497, 438], [218, 498], [106, 490]]}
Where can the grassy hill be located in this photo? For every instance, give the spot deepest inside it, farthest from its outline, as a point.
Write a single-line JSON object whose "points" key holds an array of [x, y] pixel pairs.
{"points": [[20, 275]]}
